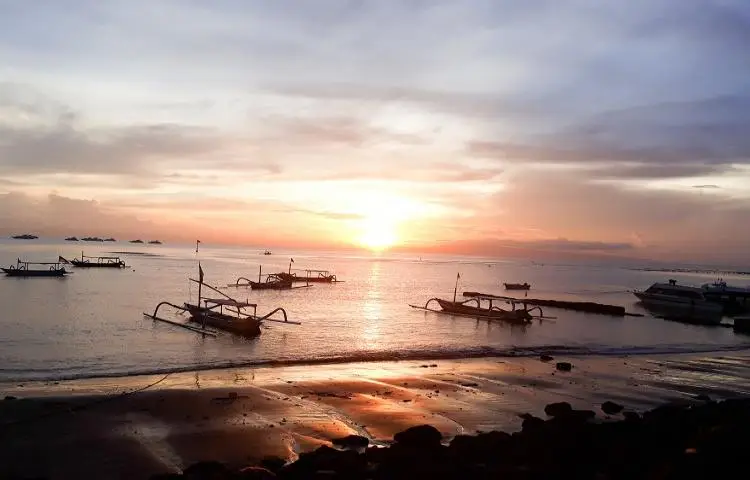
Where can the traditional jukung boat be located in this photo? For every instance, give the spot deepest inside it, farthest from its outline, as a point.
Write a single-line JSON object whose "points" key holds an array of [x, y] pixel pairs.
{"points": [[35, 269], [94, 262], [273, 281], [225, 313], [517, 286], [309, 276], [473, 308]]}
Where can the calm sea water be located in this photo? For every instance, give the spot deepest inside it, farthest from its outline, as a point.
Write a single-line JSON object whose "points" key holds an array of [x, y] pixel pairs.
{"points": [[91, 324]]}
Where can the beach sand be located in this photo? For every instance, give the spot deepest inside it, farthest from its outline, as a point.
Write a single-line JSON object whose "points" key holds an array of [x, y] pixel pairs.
{"points": [[97, 428]]}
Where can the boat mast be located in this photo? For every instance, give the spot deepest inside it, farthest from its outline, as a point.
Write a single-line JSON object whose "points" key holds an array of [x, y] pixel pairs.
{"points": [[455, 289]]}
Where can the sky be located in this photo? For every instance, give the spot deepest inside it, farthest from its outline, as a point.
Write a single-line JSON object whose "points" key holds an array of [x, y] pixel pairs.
{"points": [[488, 127]]}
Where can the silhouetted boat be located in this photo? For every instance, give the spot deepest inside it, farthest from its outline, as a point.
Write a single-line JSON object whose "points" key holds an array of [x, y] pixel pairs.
{"points": [[92, 239], [154, 242], [26, 269], [517, 286], [679, 297], [136, 241], [110, 240], [71, 239], [309, 276], [25, 236], [272, 282], [267, 252], [473, 308], [210, 312], [94, 262]]}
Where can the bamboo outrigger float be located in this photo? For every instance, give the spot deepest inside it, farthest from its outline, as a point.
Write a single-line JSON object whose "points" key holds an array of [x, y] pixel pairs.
{"points": [[226, 313], [94, 262], [26, 269]]}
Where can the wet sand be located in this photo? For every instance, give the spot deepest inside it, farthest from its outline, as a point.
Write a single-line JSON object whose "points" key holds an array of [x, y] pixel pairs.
{"points": [[97, 428]]}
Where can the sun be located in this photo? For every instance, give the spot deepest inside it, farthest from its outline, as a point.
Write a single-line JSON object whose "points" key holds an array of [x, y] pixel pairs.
{"points": [[377, 234]]}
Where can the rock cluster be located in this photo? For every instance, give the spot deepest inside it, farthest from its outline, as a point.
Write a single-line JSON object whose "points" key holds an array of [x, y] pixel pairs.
{"points": [[702, 440]]}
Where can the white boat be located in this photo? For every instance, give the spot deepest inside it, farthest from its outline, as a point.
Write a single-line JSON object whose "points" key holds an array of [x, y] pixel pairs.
{"points": [[678, 297]]}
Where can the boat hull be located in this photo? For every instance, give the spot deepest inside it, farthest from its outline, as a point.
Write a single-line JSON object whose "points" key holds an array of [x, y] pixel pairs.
{"points": [[15, 272], [296, 278], [248, 327], [517, 286], [276, 285], [514, 316], [80, 264], [686, 304]]}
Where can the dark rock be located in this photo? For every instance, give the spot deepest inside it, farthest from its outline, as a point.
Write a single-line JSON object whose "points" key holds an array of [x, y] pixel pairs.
{"points": [[611, 408], [531, 423], [10, 397], [631, 416], [420, 436], [351, 441], [546, 358], [273, 463], [206, 471], [564, 366], [341, 464], [558, 409], [254, 473]]}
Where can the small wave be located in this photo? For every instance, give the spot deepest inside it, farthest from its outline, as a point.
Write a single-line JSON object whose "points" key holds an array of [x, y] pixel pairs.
{"points": [[19, 375]]}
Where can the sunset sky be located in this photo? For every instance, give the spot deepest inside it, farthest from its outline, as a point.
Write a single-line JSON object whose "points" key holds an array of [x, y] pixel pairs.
{"points": [[478, 127]]}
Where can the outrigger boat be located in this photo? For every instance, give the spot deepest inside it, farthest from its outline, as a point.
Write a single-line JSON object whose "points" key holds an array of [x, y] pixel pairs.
{"points": [[309, 276], [473, 308], [25, 269], [517, 286], [273, 281], [94, 262], [226, 313]]}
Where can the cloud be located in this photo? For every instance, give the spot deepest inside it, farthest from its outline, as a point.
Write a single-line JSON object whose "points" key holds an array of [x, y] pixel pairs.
{"points": [[677, 139], [56, 215]]}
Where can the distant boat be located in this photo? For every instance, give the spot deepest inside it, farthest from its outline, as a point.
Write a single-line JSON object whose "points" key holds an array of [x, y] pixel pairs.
{"points": [[92, 239], [110, 240], [94, 262], [26, 269], [25, 236], [267, 252], [71, 239], [136, 241], [154, 242], [517, 286]]}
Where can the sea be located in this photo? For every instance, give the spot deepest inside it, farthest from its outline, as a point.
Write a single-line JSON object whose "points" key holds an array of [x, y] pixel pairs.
{"points": [[91, 323]]}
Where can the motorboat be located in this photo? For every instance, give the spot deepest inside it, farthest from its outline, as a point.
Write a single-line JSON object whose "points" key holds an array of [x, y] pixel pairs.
{"points": [[678, 297]]}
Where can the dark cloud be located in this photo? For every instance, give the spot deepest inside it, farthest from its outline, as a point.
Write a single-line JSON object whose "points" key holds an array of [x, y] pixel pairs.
{"points": [[679, 139]]}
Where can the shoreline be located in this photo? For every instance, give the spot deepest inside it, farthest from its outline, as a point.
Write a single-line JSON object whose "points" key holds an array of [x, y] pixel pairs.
{"points": [[239, 416], [479, 353]]}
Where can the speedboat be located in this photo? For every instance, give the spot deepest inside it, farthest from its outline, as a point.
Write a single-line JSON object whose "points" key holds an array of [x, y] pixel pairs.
{"points": [[678, 297]]}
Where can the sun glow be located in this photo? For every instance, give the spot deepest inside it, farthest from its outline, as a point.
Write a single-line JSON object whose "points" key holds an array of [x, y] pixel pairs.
{"points": [[377, 233]]}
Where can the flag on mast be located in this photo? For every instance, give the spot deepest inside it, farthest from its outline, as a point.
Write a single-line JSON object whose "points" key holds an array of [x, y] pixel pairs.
{"points": [[197, 242]]}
